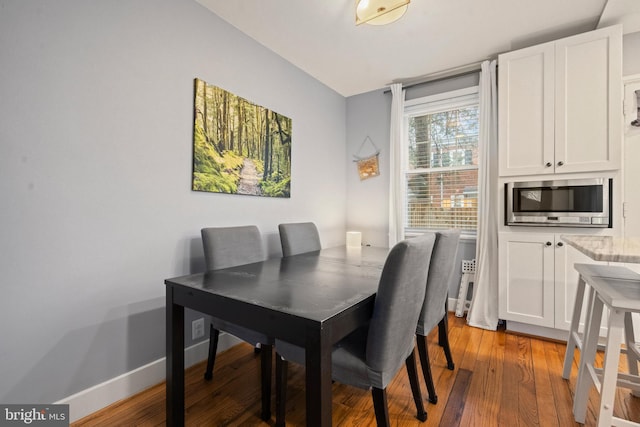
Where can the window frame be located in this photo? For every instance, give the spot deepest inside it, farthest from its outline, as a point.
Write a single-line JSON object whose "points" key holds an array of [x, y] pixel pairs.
{"points": [[431, 104]]}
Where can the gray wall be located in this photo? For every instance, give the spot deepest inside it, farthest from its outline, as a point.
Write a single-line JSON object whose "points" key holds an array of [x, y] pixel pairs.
{"points": [[95, 166], [368, 201]]}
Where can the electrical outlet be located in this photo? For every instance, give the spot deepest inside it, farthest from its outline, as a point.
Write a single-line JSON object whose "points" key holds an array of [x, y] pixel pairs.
{"points": [[197, 328]]}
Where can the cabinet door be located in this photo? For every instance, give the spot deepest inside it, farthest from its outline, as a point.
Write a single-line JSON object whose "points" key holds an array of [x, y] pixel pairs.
{"points": [[566, 282], [526, 280], [588, 105], [526, 111]]}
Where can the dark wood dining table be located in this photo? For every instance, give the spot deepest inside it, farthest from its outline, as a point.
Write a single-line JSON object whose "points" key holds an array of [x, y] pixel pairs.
{"points": [[311, 300]]}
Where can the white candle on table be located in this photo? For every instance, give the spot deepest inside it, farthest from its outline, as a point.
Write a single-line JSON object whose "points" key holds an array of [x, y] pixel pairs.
{"points": [[354, 239]]}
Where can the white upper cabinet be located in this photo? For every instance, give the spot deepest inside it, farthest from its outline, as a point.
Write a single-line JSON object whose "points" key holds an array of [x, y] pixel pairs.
{"points": [[560, 105], [526, 104]]}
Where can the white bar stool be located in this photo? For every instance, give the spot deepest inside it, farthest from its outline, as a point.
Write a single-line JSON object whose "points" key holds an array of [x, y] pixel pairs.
{"points": [[622, 297], [586, 273]]}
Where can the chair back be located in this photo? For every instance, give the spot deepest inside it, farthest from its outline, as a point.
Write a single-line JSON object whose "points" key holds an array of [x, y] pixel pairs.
{"points": [[299, 238], [231, 246], [441, 269], [398, 302]]}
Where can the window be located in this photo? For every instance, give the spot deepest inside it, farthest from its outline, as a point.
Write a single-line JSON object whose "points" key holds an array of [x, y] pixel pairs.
{"points": [[441, 162]]}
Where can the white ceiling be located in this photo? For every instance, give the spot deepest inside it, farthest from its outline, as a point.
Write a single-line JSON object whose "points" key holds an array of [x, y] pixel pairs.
{"points": [[434, 36]]}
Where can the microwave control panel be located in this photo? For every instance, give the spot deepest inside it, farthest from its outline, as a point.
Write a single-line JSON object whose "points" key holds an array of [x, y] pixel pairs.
{"points": [[567, 221]]}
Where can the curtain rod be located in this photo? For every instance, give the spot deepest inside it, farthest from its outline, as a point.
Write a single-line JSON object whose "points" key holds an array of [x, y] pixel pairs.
{"points": [[445, 75]]}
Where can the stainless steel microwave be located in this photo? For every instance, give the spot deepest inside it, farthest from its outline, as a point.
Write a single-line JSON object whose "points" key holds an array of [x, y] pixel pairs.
{"points": [[561, 203]]}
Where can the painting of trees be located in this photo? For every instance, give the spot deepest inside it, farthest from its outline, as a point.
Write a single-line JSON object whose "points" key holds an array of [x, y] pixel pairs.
{"points": [[239, 147]]}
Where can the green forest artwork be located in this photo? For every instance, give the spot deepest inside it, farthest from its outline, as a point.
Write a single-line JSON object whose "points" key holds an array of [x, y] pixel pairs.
{"points": [[239, 147]]}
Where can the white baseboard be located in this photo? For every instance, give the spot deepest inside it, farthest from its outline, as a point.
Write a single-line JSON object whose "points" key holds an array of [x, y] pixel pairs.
{"points": [[541, 331], [126, 385]]}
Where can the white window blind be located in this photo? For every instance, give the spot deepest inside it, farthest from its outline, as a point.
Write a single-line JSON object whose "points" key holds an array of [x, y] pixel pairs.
{"points": [[441, 171]]}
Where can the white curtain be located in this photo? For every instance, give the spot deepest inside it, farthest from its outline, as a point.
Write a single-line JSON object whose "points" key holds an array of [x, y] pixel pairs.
{"points": [[396, 226], [483, 312]]}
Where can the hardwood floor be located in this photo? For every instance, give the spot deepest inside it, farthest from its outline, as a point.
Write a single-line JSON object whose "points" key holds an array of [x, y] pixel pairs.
{"points": [[500, 379]]}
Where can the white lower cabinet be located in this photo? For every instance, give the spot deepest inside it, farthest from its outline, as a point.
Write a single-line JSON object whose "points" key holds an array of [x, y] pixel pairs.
{"points": [[537, 281]]}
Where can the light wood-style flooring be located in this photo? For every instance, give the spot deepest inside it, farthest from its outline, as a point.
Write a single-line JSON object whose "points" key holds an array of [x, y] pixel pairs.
{"points": [[500, 379]]}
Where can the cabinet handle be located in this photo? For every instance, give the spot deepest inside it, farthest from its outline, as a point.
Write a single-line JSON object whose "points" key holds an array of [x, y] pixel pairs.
{"points": [[548, 164], [549, 243], [560, 244], [560, 163]]}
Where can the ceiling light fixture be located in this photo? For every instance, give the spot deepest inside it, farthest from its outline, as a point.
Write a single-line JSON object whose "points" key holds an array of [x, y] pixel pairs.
{"points": [[380, 12]]}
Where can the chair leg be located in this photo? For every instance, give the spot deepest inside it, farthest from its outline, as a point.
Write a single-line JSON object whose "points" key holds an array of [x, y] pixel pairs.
{"points": [[281, 390], [412, 371], [380, 406], [443, 330], [423, 352], [213, 348], [265, 369]]}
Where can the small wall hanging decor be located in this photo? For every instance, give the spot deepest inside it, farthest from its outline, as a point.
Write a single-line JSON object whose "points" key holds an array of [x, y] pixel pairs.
{"points": [[239, 147], [368, 166], [636, 121]]}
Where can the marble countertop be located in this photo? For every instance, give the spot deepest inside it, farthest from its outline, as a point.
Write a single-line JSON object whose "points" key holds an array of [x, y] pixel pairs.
{"points": [[606, 248]]}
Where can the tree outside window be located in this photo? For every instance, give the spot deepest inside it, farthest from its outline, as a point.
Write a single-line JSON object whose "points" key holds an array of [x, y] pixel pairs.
{"points": [[442, 165]]}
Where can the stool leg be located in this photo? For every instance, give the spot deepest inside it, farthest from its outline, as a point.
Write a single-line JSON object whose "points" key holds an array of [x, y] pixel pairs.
{"points": [[610, 370], [572, 342], [630, 341], [587, 357]]}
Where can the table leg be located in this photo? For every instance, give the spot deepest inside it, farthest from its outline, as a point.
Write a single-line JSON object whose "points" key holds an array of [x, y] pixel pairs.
{"points": [[175, 361], [266, 351], [318, 378]]}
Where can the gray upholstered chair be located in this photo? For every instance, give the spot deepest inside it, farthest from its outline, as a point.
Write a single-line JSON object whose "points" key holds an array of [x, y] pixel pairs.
{"points": [[298, 238], [434, 308], [371, 356], [226, 247]]}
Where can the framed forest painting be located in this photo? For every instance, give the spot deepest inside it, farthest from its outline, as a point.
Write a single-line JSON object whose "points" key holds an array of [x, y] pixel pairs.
{"points": [[239, 147]]}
